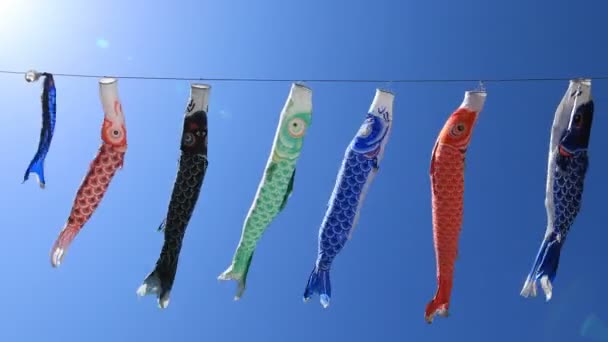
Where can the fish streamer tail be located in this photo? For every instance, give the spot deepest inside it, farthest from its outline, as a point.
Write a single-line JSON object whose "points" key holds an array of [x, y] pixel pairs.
{"points": [[153, 284], [160, 280], [238, 271], [440, 303], [62, 243], [319, 282], [36, 167], [545, 267]]}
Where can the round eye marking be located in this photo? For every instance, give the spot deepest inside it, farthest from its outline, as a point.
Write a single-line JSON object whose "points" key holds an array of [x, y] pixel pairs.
{"points": [[296, 127], [458, 129], [114, 133], [365, 130], [577, 120], [189, 139]]}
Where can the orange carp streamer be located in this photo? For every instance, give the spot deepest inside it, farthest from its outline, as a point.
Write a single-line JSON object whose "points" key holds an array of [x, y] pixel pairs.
{"points": [[447, 185]]}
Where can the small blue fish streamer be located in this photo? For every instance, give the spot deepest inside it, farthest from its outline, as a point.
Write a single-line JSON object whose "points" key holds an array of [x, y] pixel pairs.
{"points": [[49, 111]]}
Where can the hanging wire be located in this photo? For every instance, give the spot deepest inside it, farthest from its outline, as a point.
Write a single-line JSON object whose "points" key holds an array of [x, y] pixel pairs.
{"points": [[389, 81]]}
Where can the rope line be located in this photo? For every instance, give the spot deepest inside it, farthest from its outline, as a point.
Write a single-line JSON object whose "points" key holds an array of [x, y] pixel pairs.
{"points": [[238, 79]]}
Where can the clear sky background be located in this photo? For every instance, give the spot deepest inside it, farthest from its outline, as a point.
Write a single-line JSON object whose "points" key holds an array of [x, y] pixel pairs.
{"points": [[385, 276]]}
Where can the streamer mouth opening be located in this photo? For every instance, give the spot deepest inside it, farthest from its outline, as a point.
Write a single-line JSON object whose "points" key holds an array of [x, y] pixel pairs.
{"points": [[107, 80], [386, 91], [582, 80], [200, 86], [301, 86]]}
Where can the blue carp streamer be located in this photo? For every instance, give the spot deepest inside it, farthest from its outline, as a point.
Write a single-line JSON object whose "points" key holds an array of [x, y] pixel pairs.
{"points": [[359, 166], [568, 163], [49, 110]]}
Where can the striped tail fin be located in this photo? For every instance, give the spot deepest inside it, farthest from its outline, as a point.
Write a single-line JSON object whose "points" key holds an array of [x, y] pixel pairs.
{"points": [[440, 304], [36, 167], [154, 285], [545, 267], [63, 242], [238, 272], [318, 282]]}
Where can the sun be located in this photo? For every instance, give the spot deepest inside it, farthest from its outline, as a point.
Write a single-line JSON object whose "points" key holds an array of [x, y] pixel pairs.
{"points": [[6, 6], [13, 18], [8, 9]]}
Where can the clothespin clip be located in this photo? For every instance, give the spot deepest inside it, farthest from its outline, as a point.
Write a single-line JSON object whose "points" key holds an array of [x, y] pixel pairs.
{"points": [[481, 87]]}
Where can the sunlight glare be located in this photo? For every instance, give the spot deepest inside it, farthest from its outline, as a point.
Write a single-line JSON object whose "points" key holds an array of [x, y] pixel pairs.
{"points": [[7, 7], [11, 13]]}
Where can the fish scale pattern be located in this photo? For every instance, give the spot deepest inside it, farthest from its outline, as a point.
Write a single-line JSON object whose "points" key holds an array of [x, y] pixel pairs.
{"points": [[192, 168], [277, 183], [569, 176], [344, 205], [49, 112], [89, 195], [447, 181], [267, 206]]}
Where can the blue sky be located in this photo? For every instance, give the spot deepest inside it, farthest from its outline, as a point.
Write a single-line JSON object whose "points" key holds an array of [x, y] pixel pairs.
{"points": [[385, 276]]}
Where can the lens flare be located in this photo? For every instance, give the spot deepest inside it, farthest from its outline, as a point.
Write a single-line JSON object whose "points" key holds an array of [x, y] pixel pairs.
{"points": [[594, 328], [103, 43]]}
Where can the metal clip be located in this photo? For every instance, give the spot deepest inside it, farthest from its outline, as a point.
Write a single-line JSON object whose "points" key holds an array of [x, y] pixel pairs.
{"points": [[32, 75]]}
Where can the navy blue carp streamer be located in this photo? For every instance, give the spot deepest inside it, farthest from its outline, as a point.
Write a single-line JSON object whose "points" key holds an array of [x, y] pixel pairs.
{"points": [[567, 167], [49, 111], [360, 165], [192, 167]]}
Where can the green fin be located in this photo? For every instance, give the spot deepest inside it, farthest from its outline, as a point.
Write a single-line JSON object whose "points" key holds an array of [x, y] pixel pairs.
{"points": [[242, 280], [270, 171], [238, 271], [289, 190]]}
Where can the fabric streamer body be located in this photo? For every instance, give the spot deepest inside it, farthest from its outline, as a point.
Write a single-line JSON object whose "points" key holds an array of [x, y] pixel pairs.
{"points": [[49, 112], [277, 181], [192, 167], [447, 197], [109, 158], [359, 167], [567, 166]]}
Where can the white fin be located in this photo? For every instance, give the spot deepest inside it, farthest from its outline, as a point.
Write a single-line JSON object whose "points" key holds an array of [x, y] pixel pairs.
{"points": [[529, 288], [545, 283]]}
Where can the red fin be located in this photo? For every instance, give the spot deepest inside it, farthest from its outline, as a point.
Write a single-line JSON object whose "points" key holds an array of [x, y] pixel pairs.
{"points": [[438, 306], [433, 157], [62, 243], [563, 152]]}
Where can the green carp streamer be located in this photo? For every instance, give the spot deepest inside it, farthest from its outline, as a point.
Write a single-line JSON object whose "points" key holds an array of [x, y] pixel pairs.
{"points": [[277, 182]]}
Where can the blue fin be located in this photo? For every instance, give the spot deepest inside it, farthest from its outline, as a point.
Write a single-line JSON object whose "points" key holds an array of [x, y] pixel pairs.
{"points": [[162, 225], [318, 282], [37, 168], [545, 267]]}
